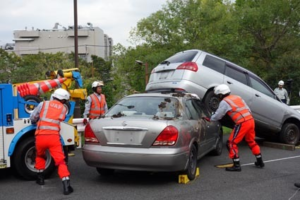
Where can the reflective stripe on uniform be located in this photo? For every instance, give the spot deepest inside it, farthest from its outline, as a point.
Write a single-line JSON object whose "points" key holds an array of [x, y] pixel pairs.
{"points": [[239, 112]]}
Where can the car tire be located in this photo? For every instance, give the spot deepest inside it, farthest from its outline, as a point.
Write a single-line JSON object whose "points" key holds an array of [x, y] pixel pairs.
{"points": [[211, 101], [219, 145], [105, 172], [192, 163], [289, 134], [24, 160]]}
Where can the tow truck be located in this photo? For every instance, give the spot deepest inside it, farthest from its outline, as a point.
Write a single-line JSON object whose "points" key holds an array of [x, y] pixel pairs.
{"points": [[17, 101]]}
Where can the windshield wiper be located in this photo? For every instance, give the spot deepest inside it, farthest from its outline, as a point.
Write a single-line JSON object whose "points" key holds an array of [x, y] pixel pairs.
{"points": [[165, 62], [119, 114]]}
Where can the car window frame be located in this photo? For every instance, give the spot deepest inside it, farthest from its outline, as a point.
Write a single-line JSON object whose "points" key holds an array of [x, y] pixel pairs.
{"points": [[188, 104], [263, 84], [237, 69]]}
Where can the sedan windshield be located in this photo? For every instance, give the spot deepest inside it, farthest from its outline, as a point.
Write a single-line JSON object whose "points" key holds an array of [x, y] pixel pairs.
{"points": [[165, 107]]}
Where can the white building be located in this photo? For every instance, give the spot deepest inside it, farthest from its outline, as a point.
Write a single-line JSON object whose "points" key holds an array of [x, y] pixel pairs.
{"points": [[91, 41]]}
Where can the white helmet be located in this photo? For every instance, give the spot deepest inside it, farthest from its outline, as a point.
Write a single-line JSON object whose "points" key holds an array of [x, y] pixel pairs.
{"points": [[61, 94], [221, 89], [281, 82], [97, 83]]}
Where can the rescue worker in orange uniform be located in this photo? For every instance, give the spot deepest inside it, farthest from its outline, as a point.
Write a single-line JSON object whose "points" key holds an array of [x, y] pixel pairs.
{"points": [[240, 113], [48, 116], [95, 105]]}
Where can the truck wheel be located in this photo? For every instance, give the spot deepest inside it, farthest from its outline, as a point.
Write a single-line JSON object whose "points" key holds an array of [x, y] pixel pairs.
{"points": [[211, 101], [24, 160], [289, 134], [31, 98], [192, 163]]}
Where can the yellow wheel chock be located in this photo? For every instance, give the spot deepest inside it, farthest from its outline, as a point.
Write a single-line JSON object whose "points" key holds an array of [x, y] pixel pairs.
{"points": [[183, 178]]}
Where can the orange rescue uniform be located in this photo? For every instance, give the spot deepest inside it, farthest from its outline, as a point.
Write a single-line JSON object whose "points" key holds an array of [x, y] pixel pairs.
{"points": [[47, 136], [97, 107], [244, 126]]}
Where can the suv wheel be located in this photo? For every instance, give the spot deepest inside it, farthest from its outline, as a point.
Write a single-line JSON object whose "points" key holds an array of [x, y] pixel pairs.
{"points": [[289, 134], [211, 101]]}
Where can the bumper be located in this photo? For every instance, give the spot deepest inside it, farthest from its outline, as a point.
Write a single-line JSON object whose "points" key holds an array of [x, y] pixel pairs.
{"points": [[187, 85], [135, 159]]}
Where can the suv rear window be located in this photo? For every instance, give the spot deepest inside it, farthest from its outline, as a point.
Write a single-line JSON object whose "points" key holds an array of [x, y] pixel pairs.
{"points": [[214, 63], [182, 57]]}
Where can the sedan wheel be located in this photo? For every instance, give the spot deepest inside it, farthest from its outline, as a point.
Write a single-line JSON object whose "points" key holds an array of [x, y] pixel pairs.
{"points": [[192, 163], [289, 134]]}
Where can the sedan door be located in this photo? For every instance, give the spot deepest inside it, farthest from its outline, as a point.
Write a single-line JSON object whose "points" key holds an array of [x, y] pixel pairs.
{"points": [[199, 127]]}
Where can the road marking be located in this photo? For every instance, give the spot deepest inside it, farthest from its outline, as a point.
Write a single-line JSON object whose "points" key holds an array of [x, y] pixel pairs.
{"points": [[294, 194], [287, 158]]}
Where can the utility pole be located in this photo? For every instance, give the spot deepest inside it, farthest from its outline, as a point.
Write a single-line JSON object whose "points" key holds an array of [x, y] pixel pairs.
{"points": [[75, 34], [77, 111]]}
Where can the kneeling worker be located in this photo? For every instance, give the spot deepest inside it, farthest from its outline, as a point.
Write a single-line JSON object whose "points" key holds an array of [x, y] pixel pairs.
{"points": [[240, 113], [48, 116]]}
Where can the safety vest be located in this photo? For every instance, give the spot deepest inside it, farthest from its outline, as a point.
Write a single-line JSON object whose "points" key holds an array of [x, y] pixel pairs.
{"points": [[52, 113], [239, 112], [97, 107]]}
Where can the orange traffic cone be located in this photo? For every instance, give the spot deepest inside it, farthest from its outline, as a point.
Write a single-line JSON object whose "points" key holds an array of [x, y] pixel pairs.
{"points": [[28, 89], [39, 88], [45, 86]]}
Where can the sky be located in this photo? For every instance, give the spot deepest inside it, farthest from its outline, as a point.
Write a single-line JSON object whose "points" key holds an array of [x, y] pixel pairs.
{"points": [[115, 17]]}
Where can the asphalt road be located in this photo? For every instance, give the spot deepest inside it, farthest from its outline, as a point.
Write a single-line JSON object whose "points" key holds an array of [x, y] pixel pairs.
{"points": [[274, 182]]}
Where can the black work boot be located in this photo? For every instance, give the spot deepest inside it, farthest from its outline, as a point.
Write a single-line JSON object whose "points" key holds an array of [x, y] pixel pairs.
{"points": [[297, 185], [259, 162], [40, 178], [236, 166], [67, 187]]}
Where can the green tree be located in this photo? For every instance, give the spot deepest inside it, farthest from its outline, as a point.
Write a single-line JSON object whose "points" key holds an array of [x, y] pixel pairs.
{"points": [[272, 28], [9, 63]]}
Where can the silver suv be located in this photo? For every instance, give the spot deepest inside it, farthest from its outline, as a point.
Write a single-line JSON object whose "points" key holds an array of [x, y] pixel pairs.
{"points": [[198, 72]]}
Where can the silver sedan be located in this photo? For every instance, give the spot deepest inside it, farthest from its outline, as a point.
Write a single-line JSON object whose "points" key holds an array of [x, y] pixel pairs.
{"points": [[152, 132]]}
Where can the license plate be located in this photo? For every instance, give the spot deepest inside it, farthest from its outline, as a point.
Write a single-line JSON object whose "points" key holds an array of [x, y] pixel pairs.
{"points": [[125, 137], [163, 75]]}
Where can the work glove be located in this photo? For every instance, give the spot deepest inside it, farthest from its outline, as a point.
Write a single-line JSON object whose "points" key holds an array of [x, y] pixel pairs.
{"points": [[206, 118], [85, 121]]}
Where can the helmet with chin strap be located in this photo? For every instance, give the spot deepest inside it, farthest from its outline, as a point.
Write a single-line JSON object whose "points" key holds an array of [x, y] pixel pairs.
{"points": [[61, 94], [222, 89], [96, 84]]}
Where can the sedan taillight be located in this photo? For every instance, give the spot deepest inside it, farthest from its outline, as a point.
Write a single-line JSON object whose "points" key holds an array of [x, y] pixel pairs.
{"points": [[167, 137], [89, 135], [188, 66]]}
